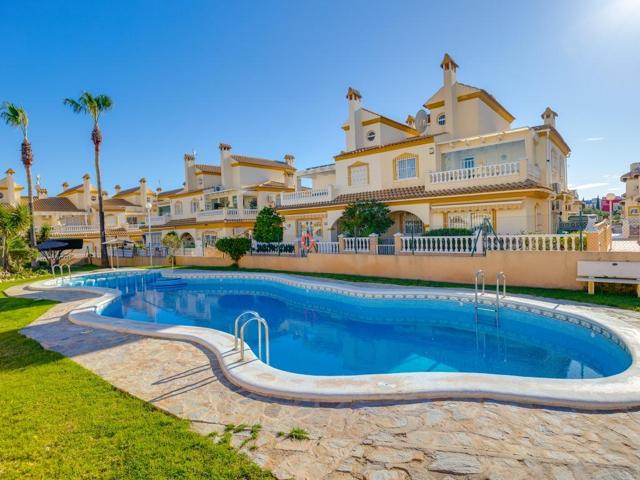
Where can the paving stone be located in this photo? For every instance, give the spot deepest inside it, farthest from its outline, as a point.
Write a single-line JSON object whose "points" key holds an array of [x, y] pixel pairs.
{"points": [[426, 440], [458, 463]]}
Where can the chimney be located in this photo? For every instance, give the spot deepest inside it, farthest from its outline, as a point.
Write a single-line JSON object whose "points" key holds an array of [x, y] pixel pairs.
{"points": [[549, 117], [354, 123], [143, 191], [158, 190], [449, 68], [190, 171], [11, 187], [117, 188], [289, 159], [225, 165], [42, 193], [86, 191], [410, 121], [65, 186]]}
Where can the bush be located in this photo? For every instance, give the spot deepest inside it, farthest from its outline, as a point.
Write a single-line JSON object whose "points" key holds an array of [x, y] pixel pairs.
{"points": [[449, 232], [236, 248], [268, 226], [364, 217]]}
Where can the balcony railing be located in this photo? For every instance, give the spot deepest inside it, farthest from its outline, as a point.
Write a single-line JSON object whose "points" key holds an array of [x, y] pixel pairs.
{"points": [[316, 195], [94, 228], [227, 214], [483, 171]]}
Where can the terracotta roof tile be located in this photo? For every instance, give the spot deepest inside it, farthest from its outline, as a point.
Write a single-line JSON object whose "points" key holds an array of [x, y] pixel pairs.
{"points": [[406, 193], [171, 192], [126, 191], [211, 169], [631, 174], [54, 204], [399, 142], [179, 222], [262, 162], [118, 203]]}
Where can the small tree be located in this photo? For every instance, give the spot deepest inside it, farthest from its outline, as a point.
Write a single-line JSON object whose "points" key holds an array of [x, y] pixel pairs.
{"points": [[14, 222], [44, 233], [365, 217], [268, 226], [236, 248], [172, 242]]}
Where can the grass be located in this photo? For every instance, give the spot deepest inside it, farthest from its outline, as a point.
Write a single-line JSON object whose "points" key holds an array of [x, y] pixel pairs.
{"points": [[295, 434], [60, 421], [622, 300]]}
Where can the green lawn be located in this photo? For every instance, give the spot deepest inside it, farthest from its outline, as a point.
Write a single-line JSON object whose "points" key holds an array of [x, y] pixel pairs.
{"points": [[613, 299], [60, 421]]}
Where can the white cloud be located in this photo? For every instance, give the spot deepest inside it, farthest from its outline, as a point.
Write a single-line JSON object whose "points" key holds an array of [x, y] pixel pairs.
{"points": [[594, 139], [587, 186]]}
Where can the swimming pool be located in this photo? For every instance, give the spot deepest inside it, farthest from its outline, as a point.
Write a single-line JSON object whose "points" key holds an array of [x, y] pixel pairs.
{"points": [[335, 332]]}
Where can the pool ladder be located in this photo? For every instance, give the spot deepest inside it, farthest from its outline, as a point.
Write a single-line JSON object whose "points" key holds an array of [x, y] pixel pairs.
{"points": [[501, 279], [238, 333], [55, 268]]}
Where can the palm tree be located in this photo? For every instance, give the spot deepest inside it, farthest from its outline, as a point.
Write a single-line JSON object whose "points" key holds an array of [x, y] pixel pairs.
{"points": [[17, 117], [14, 221], [94, 106]]}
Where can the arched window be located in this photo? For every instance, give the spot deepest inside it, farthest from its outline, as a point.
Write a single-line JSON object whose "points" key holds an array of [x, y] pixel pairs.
{"points": [[442, 119], [187, 240], [194, 206]]}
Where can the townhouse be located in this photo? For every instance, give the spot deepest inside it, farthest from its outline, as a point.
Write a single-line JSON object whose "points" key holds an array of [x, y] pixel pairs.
{"points": [[457, 162], [631, 202]]}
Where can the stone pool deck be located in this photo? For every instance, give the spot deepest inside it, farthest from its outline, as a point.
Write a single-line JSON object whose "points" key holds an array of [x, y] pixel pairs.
{"points": [[371, 441]]}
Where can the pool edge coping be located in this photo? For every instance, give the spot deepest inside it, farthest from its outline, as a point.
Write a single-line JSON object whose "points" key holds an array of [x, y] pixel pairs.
{"points": [[620, 391]]}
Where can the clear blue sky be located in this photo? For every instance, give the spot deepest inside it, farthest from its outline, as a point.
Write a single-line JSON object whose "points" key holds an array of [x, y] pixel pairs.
{"points": [[270, 77]]}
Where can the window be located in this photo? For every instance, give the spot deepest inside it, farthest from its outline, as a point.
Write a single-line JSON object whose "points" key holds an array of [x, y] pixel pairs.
{"points": [[177, 208], [412, 225], [209, 239], [468, 162], [406, 168], [358, 175], [194, 206], [371, 135], [442, 119]]}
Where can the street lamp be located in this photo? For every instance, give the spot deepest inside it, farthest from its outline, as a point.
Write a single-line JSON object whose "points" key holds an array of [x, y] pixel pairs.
{"points": [[149, 205]]}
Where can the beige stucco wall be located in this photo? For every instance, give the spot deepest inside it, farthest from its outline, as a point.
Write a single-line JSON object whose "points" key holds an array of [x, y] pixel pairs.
{"points": [[534, 269]]}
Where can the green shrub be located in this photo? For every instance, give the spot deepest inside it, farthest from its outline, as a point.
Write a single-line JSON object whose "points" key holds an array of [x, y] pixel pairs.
{"points": [[268, 226], [448, 232], [236, 248]]}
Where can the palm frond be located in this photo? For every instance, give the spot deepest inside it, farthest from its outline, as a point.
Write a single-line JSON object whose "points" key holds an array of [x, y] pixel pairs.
{"points": [[90, 104], [76, 106], [15, 116]]}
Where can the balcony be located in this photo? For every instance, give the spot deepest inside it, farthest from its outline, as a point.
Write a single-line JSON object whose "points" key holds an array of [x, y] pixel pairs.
{"points": [[304, 197], [75, 229], [221, 214], [484, 175]]}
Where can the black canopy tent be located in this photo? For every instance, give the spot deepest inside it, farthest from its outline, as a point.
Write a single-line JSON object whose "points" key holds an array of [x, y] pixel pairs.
{"points": [[54, 250]]}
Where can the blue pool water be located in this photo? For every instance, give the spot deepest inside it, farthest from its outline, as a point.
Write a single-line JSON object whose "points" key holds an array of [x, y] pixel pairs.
{"points": [[322, 333]]}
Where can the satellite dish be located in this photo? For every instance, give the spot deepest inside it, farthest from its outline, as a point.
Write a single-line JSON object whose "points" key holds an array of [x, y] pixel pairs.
{"points": [[422, 121]]}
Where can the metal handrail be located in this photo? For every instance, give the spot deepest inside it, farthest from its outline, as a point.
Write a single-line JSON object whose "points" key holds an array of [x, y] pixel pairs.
{"points": [[261, 323], [503, 277], [235, 326], [479, 275]]}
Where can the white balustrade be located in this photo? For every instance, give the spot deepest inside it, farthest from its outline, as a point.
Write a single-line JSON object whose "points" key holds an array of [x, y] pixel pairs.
{"points": [[534, 243], [227, 213], [75, 228], [356, 244], [328, 247], [483, 171], [448, 245], [316, 195]]}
